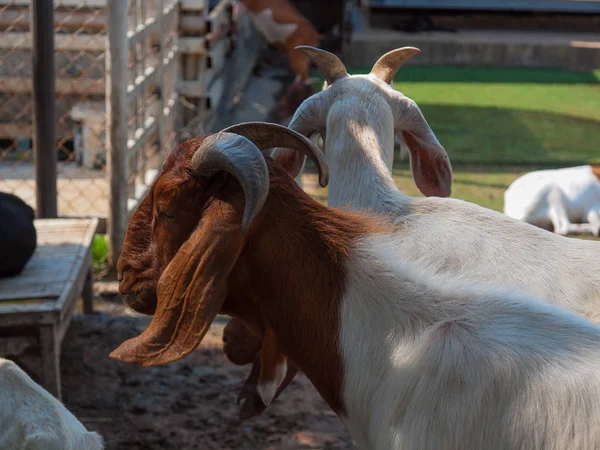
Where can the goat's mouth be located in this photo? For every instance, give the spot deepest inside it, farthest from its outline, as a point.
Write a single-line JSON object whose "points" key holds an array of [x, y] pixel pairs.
{"points": [[143, 302]]}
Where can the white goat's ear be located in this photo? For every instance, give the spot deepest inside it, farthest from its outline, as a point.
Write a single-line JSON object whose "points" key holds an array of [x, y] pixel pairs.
{"points": [[429, 161], [291, 160], [429, 165], [273, 367]]}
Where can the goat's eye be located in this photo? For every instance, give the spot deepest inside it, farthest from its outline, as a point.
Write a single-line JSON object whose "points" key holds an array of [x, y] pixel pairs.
{"points": [[166, 215]]}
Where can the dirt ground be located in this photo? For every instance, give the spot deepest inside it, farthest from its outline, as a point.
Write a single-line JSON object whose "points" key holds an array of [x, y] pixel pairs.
{"points": [[190, 404]]}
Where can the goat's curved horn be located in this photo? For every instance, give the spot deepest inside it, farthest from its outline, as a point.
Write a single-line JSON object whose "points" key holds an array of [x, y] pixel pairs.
{"points": [[233, 153], [270, 135], [388, 65], [332, 67]]}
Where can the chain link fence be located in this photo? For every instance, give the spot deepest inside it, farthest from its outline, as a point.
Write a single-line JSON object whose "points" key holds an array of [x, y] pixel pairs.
{"points": [[80, 31], [132, 79]]}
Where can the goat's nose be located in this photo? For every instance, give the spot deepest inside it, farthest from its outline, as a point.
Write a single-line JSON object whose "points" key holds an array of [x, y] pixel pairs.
{"points": [[119, 276]]}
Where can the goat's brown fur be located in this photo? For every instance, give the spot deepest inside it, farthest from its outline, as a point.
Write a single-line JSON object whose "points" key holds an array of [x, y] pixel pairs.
{"points": [[284, 12], [239, 344], [290, 274]]}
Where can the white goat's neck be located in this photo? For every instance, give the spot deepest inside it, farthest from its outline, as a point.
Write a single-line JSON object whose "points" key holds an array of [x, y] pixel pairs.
{"points": [[360, 152], [385, 310]]}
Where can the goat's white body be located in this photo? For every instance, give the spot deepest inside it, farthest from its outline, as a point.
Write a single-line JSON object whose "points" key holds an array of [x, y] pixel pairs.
{"points": [[449, 235], [32, 419], [430, 364], [556, 198]]}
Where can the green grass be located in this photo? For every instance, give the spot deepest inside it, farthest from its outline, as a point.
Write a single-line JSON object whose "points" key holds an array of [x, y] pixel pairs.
{"points": [[497, 124]]}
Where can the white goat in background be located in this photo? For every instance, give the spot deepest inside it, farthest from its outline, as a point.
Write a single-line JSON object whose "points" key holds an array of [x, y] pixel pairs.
{"points": [[32, 419], [567, 200], [358, 116]]}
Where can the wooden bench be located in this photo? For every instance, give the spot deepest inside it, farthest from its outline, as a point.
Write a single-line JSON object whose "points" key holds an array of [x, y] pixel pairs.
{"points": [[36, 306]]}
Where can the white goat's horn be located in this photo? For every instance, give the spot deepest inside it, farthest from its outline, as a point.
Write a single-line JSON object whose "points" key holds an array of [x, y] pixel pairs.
{"points": [[388, 65], [331, 66], [270, 135], [234, 154]]}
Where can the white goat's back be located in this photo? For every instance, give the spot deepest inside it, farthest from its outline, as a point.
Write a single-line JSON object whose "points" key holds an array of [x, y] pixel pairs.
{"points": [[432, 361], [473, 243], [32, 419]]}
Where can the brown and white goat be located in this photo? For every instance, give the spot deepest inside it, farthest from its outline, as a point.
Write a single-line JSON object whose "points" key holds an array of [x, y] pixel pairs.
{"points": [[359, 115], [407, 360]]}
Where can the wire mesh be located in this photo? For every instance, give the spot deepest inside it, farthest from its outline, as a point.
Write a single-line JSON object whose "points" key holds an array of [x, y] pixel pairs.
{"points": [[80, 30], [151, 77], [80, 65]]}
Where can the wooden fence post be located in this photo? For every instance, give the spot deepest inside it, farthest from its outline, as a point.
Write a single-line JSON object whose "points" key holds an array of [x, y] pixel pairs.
{"points": [[44, 111], [117, 53]]}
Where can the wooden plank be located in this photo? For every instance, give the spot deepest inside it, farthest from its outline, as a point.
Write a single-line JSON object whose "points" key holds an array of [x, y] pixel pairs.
{"points": [[194, 5], [78, 275], [63, 3], [192, 45], [41, 290], [192, 25], [197, 89], [50, 352], [67, 20], [62, 41], [25, 315], [87, 294], [192, 88], [41, 280], [66, 86], [11, 130]]}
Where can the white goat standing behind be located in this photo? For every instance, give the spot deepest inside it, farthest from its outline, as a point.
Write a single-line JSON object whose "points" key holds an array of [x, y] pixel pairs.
{"points": [[32, 419], [358, 116], [566, 199]]}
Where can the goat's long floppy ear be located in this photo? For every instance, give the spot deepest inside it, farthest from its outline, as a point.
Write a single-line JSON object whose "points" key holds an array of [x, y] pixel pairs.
{"points": [[388, 65], [296, 147], [429, 161], [192, 289], [191, 292], [330, 65]]}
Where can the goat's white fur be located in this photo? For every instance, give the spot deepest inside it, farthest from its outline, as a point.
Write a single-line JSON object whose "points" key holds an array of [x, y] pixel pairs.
{"points": [[267, 390], [32, 419], [567, 200], [439, 363], [445, 235]]}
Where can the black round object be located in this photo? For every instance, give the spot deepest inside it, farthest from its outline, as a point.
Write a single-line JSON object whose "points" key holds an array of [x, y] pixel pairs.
{"points": [[18, 237]]}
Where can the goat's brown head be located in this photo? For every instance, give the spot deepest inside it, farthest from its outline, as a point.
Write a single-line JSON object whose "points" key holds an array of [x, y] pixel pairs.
{"points": [[151, 241], [186, 235]]}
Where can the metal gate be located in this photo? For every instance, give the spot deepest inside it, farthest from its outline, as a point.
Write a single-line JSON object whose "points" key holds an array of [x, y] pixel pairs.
{"points": [[141, 99]]}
